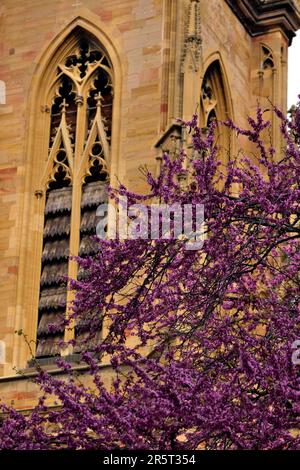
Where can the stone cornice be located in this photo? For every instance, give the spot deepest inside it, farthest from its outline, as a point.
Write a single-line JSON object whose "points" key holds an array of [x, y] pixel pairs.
{"points": [[260, 16]]}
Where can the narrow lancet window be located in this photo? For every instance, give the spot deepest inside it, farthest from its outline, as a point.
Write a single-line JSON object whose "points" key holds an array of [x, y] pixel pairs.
{"points": [[77, 173]]}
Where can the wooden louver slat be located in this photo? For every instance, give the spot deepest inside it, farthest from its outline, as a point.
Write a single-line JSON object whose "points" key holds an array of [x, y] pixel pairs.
{"points": [[53, 294]]}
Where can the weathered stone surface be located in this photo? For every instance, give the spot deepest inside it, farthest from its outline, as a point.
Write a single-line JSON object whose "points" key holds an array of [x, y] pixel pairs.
{"points": [[148, 37]]}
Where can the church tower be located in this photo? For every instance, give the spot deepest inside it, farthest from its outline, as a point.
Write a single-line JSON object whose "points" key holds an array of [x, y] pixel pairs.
{"points": [[90, 91]]}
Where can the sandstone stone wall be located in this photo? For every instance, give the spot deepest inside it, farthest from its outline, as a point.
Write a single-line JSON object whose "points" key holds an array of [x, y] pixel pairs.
{"points": [[148, 35]]}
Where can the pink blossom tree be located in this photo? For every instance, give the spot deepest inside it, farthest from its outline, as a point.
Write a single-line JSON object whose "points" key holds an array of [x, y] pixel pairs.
{"points": [[200, 341]]}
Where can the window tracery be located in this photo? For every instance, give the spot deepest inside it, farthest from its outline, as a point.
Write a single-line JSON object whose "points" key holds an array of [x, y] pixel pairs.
{"points": [[267, 58], [81, 102], [213, 99]]}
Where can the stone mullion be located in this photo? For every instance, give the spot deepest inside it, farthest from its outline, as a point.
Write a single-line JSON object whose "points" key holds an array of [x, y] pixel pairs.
{"points": [[75, 213], [39, 210]]}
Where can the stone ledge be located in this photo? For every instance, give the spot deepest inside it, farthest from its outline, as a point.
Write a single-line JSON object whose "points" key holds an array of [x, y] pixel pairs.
{"points": [[260, 16], [30, 372]]}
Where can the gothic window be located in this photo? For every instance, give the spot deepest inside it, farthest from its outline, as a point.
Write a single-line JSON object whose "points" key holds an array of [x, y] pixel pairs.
{"points": [[266, 75], [267, 58], [209, 102], [266, 89], [75, 177], [214, 103], [213, 97]]}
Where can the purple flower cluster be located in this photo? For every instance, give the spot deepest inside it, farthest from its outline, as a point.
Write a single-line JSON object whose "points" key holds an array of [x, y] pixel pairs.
{"points": [[200, 342]]}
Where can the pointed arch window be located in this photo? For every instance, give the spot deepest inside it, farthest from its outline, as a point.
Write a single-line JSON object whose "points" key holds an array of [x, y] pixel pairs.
{"points": [[75, 177], [214, 103]]}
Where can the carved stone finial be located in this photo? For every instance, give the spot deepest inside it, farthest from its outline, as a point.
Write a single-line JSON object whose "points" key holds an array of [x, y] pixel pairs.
{"points": [[192, 47], [63, 106], [98, 99], [192, 25]]}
